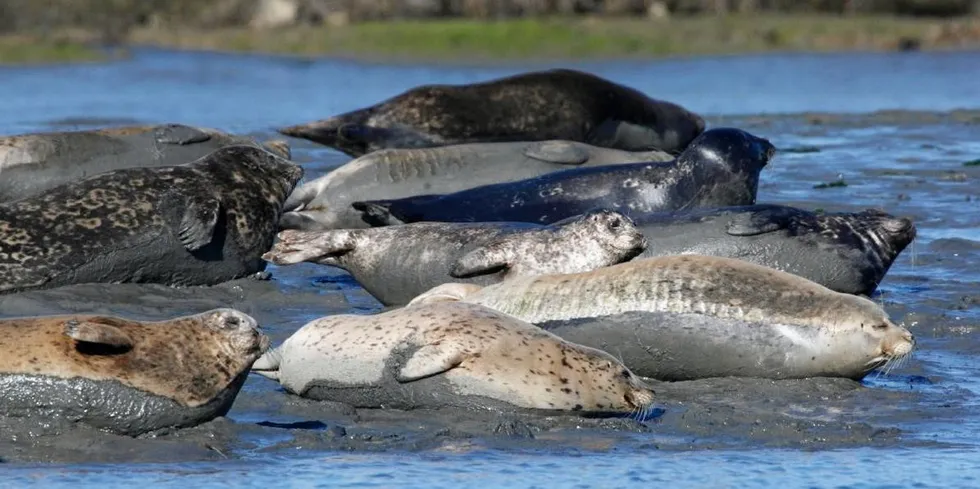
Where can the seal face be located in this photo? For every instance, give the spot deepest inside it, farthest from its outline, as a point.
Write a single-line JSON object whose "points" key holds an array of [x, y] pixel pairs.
{"points": [[200, 223], [846, 252], [720, 168], [449, 355], [397, 263], [702, 303], [533, 106], [33, 163], [124, 376], [325, 203]]}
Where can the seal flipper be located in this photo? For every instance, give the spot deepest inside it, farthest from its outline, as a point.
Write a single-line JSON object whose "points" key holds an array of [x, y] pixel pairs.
{"points": [[268, 364], [430, 360], [299, 246], [179, 134], [96, 333], [558, 152], [490, 258], [379, 213], [758, 222], [196, 224]]}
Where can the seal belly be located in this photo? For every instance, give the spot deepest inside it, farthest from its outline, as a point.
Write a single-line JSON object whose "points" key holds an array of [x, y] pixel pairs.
{"points": [[674, 347]]}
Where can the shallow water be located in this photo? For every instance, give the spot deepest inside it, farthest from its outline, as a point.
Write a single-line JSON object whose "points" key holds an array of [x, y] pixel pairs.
{"points": [[896, 127]]}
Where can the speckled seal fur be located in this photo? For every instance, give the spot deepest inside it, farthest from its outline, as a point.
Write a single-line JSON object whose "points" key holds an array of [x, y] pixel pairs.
{"points": [[830, 327], [453, 355], [397, 263], [532, 106], [200, 223], [846, 252], [721, 167], [33, 163], [325, 203], [125, 376]]}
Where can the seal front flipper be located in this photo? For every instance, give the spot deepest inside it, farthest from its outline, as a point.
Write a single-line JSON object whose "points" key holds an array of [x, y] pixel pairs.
{"points": [[193, 219], [179, 134], [97, 333], [430, 360], [268, 364], [490, 258], [762, 221], [558, 152]]}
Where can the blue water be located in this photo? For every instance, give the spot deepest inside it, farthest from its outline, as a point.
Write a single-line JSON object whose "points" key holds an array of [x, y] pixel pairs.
{"points": [[882, 161]]}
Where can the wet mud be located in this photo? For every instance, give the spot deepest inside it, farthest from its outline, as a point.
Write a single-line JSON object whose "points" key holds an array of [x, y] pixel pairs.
{"points": [[906, 163]]}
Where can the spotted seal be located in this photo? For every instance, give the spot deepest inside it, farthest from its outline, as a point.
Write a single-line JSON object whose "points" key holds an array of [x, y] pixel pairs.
{"points": [[199, 223], [689, 316], [449, 354], [847, 252], [397, 263], [325, 203], [125, 376], [720, 168], [33, 163], [532, 106]]}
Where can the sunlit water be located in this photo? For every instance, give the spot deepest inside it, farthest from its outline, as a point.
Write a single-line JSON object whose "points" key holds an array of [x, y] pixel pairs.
{"points": [[909, 165]]}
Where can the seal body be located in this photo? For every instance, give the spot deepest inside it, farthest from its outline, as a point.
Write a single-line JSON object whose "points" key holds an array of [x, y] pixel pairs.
{"points": [[325, 203], [397, 263], [720, 168], [847, 252], [124, 376], [449, 355], [533, 106], [733, 314], [200, 223], [33, 163]]}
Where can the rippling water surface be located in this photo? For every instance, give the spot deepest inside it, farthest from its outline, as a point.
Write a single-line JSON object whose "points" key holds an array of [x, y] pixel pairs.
{"points": [[897, 128]]}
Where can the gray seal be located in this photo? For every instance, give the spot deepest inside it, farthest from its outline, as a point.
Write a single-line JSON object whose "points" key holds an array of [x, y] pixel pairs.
{"points": [[532, 106], [720, 168], [847, 252], [397, 263], [450, 355], [199, 223], [325, 203], [124, 376], [690, 316], [33, 163]]}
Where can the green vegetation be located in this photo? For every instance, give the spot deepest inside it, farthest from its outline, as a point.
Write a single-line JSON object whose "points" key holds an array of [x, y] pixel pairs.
{"points": [[29, 50], [562, 38]]}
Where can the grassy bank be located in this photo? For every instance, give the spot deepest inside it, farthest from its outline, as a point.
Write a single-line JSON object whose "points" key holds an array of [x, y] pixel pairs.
{"points": [[21, 49], [572, 38]]}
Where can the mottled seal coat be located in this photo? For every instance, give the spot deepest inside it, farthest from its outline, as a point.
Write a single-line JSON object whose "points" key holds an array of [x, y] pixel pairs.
{"points": [[532, 106], [720, 168], [397, 263], [325, 203], [200, 223], [33, 163], [847, 252], [449, 354], [124, 376], [685, 317]]}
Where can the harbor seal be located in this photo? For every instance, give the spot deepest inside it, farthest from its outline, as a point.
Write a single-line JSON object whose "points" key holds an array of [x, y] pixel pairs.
{"points": [[846, 252], [397, 263], [449, 355], [124, 376], [325, 203], [720, 168], [533, 106], [33, 163], [199, 223], [687, 317]]}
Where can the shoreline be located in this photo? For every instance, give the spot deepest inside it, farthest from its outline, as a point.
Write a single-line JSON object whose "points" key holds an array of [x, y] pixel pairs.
{"points": [[463, 41]]}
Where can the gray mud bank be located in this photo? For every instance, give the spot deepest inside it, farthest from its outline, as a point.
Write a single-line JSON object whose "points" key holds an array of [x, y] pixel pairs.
{"points": [[907, 163]]}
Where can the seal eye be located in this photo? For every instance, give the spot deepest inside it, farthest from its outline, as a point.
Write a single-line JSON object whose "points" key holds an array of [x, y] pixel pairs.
{"points": [[880, 327], [232, 321], [616, 223], [625, 373]]}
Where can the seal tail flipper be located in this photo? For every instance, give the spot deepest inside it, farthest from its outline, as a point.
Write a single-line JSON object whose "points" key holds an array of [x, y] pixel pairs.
{"points": [[97, 333], [299, 246], [448, 292], [278, 147], [268, 364], [430, 360]]}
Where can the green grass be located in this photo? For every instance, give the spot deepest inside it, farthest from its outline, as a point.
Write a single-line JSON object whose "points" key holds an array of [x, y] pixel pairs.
{"points": [[29, 50]]}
